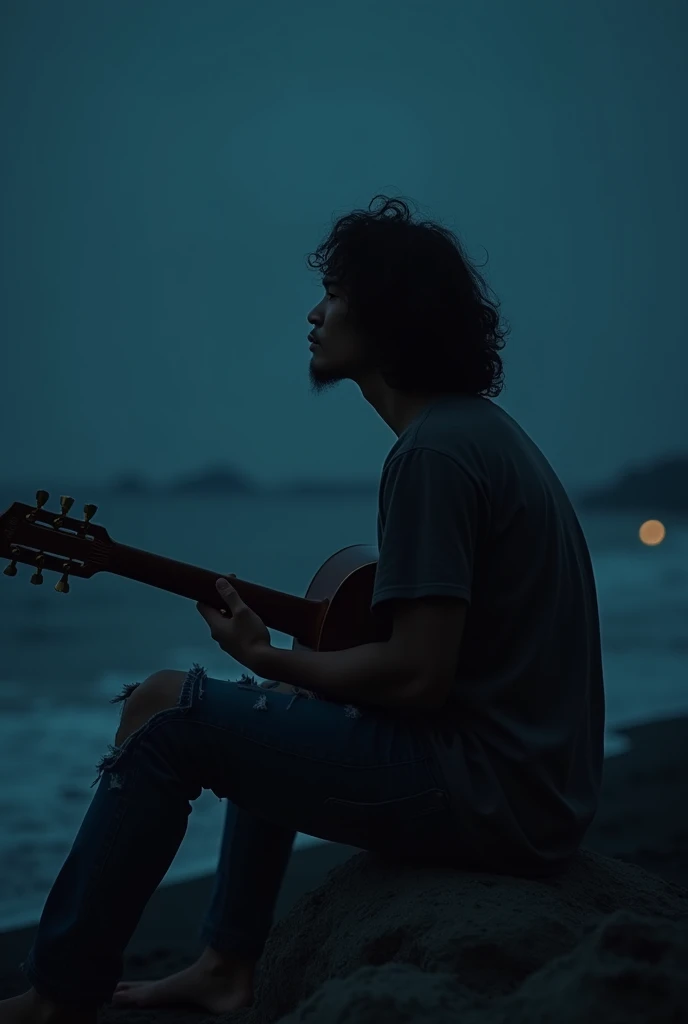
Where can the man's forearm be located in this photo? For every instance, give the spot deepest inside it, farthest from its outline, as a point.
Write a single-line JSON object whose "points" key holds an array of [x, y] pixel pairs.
{"points": [[368, 674]]}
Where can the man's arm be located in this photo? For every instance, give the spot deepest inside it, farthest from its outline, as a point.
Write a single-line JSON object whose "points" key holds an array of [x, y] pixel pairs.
{"points": [[414, 668], [368, 674]]}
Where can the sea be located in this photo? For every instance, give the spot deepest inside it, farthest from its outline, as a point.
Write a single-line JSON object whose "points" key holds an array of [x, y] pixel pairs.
{"points": [[64, 656]]}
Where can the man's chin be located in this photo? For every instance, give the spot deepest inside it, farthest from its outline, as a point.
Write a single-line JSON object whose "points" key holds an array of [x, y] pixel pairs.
{"points": [[323, 378]]}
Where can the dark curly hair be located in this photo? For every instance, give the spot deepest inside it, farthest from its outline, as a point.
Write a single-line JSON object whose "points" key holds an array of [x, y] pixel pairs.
{"points": [[417, 299]]}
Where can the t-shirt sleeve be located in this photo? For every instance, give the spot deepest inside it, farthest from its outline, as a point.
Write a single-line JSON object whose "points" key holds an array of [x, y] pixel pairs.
{"points": [[429, 513]]}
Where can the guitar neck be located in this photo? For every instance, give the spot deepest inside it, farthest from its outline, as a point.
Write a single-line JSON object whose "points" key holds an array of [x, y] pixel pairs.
{"points": [[299, 617]]}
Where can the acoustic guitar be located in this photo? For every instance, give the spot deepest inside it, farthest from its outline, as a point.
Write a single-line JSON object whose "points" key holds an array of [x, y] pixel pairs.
{"points": [[335, 613]]}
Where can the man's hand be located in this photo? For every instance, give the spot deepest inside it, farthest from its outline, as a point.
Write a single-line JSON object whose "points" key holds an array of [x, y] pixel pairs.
{"points": [[244, 635]]}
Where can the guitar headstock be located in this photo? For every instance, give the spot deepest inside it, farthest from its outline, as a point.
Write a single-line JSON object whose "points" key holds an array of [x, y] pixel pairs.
{"points": [[53, 541]]}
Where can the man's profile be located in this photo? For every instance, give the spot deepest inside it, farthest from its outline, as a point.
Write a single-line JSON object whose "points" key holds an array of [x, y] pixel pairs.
{"points": [[478, 736]]}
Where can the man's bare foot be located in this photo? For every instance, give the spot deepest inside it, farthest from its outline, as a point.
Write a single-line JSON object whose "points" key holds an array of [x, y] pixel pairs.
{"points": [[216, 984], [30, 1008]]}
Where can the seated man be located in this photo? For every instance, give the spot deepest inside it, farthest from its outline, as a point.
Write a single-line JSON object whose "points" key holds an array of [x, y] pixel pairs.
{"points": [[472, 734]]}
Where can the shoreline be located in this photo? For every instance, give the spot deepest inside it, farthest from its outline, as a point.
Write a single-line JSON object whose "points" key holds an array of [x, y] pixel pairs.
{"points": [[642, 819]]}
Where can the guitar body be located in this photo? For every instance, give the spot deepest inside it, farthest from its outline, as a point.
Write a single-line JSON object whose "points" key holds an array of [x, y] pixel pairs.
{"points": [[346, 580]]}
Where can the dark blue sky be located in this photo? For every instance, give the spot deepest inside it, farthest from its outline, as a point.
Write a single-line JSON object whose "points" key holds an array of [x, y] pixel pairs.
{"points": [[168, 165]]}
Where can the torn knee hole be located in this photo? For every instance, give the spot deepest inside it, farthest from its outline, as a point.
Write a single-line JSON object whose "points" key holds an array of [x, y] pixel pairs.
{"points": [[127, 691]]}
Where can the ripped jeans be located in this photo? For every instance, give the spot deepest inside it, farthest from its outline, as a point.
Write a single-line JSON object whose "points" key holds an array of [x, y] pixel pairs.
{"points": [[285, 764]]}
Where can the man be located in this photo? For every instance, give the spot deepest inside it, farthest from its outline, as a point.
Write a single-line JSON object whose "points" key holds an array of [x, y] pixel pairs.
{"points": [[473, 735]]}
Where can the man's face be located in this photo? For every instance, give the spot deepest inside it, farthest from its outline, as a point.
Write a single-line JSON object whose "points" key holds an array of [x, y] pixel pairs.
{"points": [[340, 353]]}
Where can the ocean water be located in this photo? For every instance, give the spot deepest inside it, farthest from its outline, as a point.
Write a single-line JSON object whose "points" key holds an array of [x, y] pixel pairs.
{"points": [[65, 656]]}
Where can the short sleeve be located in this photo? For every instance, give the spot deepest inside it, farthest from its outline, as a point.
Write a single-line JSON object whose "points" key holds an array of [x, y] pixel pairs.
{"points": [[429, 509]]}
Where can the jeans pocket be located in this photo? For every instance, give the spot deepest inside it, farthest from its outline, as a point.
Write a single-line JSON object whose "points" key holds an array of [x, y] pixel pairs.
{"points": [[412, 823]]}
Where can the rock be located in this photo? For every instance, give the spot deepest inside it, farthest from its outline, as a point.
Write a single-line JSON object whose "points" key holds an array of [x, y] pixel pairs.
{"points": [[391, 994], [396, 943], [630, 970]]}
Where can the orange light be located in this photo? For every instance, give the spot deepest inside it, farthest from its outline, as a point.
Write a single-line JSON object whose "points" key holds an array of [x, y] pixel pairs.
{"points": [[652, 532]]}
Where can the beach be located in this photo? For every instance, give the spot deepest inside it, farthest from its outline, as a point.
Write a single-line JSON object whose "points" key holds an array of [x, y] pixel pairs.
{"points": [[64, 660], [643, 818]]}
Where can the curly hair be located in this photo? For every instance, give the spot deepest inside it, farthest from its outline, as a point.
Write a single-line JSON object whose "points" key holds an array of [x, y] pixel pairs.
{"points": [[417, 300]]}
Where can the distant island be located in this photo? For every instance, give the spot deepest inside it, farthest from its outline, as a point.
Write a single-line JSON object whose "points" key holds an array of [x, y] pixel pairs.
{"points": [[216, 480], [327, 487], [655, 488], [130, 483]]}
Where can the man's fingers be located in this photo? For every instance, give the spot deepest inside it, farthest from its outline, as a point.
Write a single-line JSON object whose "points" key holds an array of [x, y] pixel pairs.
{"points": [[230, 597], [223, 611]]}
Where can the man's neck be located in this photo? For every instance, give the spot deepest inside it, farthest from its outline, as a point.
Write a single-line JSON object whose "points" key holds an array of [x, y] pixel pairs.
{"points": [[396, 408]]}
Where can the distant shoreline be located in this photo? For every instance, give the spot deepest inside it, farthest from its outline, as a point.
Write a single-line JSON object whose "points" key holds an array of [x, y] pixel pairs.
{"points": [[23, 491], [230, 483], [258, 490], [657, 488]]}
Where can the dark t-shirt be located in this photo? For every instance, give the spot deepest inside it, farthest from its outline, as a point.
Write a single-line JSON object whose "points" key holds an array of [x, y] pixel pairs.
{"points": [[469, 507]]}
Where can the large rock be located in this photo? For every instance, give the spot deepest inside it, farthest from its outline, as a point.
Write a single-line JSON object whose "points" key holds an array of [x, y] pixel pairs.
{"points": [[391, 944], [630, 970]]}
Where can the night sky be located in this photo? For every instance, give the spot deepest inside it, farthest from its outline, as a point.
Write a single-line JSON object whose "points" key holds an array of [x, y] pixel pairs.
{"points": [[167, 166]]}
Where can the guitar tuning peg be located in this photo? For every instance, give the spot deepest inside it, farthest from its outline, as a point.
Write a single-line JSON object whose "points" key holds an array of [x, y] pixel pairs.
{"points": [[37, 577], [11, 569], [89, 512], [41, 498], [65, 503], [62, 585]]}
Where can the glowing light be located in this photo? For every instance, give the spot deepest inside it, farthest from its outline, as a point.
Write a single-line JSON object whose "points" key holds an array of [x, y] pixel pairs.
{"points": [[652, 532]]}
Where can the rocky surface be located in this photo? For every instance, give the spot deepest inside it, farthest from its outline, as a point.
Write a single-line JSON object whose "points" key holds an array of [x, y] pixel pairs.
{"points": [[389, 944]]}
